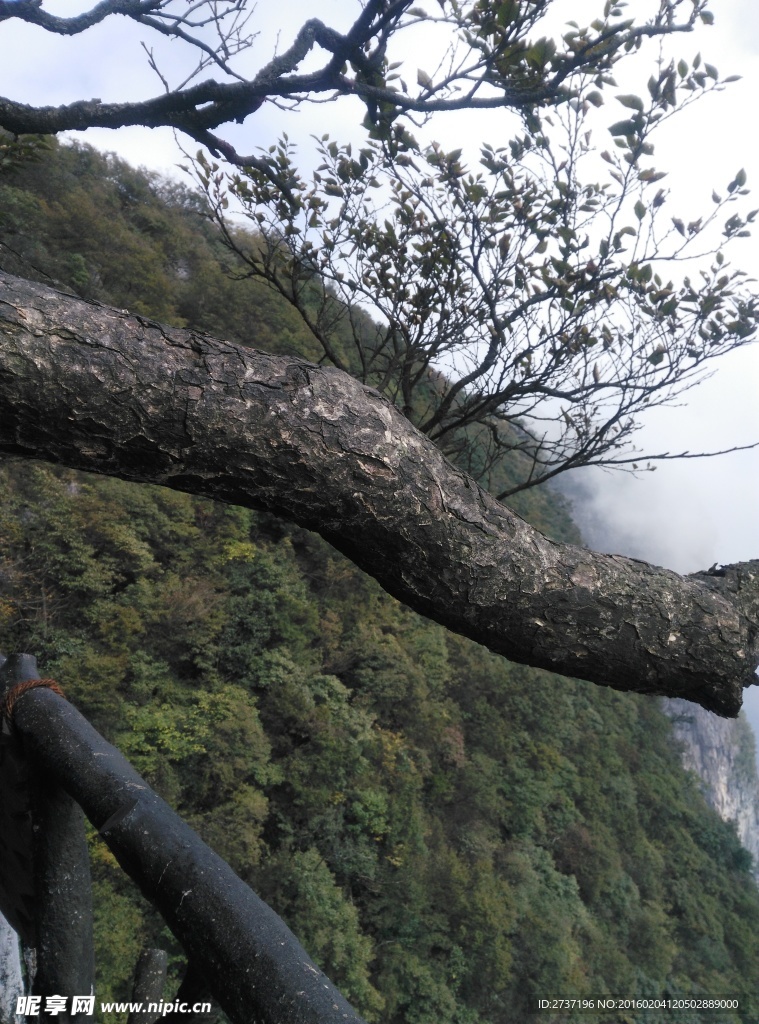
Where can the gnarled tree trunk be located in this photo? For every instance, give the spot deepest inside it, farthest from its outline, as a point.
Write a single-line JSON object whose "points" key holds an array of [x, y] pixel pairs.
{"points": [[98, 389]]}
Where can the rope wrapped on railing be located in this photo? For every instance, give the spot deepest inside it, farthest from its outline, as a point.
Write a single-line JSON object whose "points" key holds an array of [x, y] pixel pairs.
{"points": [[12, 695]]}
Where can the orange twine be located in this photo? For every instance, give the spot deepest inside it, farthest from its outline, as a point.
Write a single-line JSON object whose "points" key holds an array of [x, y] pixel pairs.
{"points": [[10, 698]]}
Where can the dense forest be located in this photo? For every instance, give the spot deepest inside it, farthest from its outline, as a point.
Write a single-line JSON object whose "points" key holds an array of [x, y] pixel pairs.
{"points": [[450, 836]]}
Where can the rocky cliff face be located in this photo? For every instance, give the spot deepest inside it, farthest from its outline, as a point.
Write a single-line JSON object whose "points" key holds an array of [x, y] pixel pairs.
{"points": [[722, 753]]}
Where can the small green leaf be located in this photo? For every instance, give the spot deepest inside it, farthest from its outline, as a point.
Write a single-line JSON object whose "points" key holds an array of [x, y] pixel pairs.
{"points": [[507, 12], [650, 174], [624, 128], [633, 102]]}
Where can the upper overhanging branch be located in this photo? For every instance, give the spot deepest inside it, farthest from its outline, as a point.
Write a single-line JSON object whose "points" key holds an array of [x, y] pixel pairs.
{"points": [[356, 64], [97, 389]]}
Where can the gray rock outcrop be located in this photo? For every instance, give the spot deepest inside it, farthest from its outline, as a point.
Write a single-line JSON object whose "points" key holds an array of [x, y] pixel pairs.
{"points": [[721, 752]]}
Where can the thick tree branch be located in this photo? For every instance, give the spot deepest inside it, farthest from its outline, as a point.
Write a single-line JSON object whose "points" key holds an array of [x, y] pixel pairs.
{"points": [[97, 389], [32, 12], [207, 105]]}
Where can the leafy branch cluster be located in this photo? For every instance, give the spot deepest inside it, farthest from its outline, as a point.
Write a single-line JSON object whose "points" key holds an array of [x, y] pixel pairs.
{"points": [[522, 308]]}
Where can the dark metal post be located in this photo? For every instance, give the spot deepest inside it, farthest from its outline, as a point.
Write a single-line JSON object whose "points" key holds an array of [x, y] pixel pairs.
{"points": [[55, 917], [149, 983]]}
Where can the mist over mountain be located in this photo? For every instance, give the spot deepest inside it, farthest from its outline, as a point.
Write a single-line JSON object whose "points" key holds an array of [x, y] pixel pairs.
{"points": [[670, 519]]}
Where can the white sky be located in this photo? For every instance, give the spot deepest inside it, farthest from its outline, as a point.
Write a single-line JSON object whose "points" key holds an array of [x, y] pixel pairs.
{"points": [[686, 515]]}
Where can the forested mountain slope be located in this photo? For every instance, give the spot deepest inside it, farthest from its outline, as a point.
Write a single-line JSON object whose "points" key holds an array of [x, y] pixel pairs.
{"points": [[450, 836]]}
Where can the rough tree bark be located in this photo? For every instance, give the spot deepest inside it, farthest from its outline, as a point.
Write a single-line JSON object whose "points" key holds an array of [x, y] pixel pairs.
{"points": [[99, 389]]}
